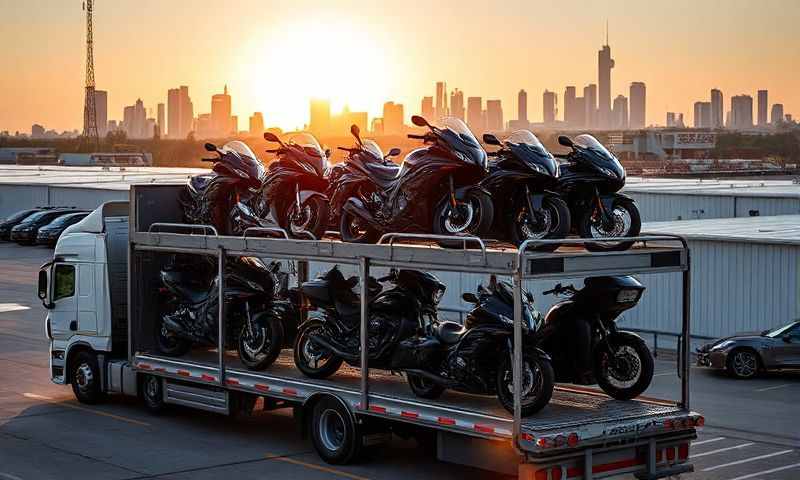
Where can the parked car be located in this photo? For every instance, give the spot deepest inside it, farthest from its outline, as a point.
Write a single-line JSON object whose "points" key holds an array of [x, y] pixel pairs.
{"points": [[745, 355], [13, 220], [25, 232], [48, 235]]}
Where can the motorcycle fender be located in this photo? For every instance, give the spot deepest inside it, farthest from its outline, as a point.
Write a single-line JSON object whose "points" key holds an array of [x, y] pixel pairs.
{"points": [[628, 332], [461, 193], [541, 354], [306, 194], [608, 200]]}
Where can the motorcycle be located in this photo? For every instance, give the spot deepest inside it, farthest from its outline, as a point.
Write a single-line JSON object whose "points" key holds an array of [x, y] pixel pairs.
{"points": [[435, 190], [360, 175], [522, 183], [295, 185], [581, 334], [226, 197], [477, 357], [590, 181], [332, 336], [262, 319]]}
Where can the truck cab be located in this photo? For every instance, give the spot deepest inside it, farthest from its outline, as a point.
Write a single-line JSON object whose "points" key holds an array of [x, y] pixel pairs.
{"points": [[84, 289]]}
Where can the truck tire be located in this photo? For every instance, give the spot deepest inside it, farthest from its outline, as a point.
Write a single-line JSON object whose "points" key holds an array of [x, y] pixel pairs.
{"points": [[334, 432], [85, 375], [151, 390]]}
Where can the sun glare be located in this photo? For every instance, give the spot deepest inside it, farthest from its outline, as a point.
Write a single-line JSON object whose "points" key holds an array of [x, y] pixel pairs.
{"points": [[332, 59]]}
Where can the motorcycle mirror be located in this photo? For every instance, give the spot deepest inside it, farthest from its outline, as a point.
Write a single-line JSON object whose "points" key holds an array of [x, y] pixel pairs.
{"points": [[327, 152], [529, 296], [211, 147], [394, 152], [469, 297], [419, 121], [490, 139], [271, 137], [356, 132], [565, 140]]}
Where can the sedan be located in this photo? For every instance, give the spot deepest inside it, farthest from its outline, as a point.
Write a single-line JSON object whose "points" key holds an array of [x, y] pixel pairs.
{"points": [[12, 221], [48, 235], [745, 355], [25, 232]]}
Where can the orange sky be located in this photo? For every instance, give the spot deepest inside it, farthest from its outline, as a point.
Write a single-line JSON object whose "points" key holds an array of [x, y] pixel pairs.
{"points": [[274, 55]]}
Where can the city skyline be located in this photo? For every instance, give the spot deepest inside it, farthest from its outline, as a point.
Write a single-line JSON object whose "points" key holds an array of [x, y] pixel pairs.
{"points": [[244, 61]]}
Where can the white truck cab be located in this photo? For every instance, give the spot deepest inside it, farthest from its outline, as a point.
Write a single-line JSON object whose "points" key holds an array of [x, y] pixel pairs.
{"points": [[84, 289]]}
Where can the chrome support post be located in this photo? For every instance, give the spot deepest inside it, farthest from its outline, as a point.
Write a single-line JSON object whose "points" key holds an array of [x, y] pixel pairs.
{"points": [[686, 331], [516, 366], [221, 314], [302, 277], [363, 271]]}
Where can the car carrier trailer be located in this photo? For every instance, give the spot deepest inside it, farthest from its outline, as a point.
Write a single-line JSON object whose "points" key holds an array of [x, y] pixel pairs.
{"points": [[99, 288]]}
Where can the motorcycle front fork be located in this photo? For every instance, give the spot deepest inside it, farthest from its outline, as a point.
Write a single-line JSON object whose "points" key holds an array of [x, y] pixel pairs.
{"points": [[248, 321]]}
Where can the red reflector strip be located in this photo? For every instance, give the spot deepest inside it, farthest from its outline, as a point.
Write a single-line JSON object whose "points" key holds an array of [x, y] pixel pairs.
{"points": [[377, 409], [483, 428], [262, 387], [527, 437], [231, 381], [409, 414], [184, 373], [289, 391], [208, 377], [145, 366], [446, 421], [670, 453], [683, 451], [159, 369]]}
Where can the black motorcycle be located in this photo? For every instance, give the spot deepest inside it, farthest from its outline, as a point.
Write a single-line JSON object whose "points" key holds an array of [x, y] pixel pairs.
{"points": [[434, 191], [581, 335], [295, 185], [359, 175], [523, 183], [332, 336], [261, 318], [227, 197], [477, 357], [590, 181]]}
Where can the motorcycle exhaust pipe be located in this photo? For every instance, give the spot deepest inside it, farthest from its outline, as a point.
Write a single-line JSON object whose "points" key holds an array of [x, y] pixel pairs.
{"points": [[360, 211], [432, 377], [337, 351]]}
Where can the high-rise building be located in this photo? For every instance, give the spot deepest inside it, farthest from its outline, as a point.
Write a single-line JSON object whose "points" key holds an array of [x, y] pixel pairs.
{"points": [[702, 114], [427, 111], [619, 114], [457, 104], [741, 112], [187, 112], [475, 114], [573, 112], [638, 105], [671, 119], [320, 119], [604, 65], [763, 108], [777, 114], [221, 122], [101, 109], [590, 105], [256, 124], [494, 116], [37, 131], [162, 130], [441, 100], [393, 118], [180, 112], [716, 109], [549, 101], [522, 106]]}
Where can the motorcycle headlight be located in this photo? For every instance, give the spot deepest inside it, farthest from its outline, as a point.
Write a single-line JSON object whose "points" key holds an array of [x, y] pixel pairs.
{"points": [[627, 295]]}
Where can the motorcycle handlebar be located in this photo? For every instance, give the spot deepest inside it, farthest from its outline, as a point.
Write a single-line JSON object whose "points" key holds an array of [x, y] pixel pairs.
{"points": [[212, 160], [345, 149], [417, 137], [273, 150]]}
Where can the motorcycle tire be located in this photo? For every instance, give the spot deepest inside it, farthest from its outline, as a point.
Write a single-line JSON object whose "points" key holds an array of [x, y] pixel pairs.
{"points": [[556, 208], [173, 346], [424, 388], [302, 348], [637, 355], [368, 235], [586, 225], [268, 343], [315, 224], [539, 396], [478, 203]]}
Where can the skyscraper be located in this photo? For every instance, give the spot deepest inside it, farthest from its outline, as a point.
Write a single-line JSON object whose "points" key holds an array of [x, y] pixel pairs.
{"points": [[162, 128], [702, 114], [494, 116], [475, 114], [320, 117], [716, 109], [763, 107], [777, 114], [180, 112], [428, 113], [441, 100], [522, 106], [549, 101], [741, 112], [638, 104], [590, 105], [619, 114], [392, 118], [256, 124], [221, 124], [457, 104], [572, 113], [604, 65], [101, 109], [187, 112]]}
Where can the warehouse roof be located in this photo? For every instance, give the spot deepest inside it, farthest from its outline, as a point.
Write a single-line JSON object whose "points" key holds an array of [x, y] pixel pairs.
{"points": [[741, 188], [782, 229], [107, 178]]}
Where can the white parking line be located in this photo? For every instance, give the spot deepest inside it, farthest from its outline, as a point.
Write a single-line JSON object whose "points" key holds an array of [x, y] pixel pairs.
{"points": [[774, 388], [8, 476], [767, 472], [720, 450], [745, 460], [663, 374], [710, 440]]}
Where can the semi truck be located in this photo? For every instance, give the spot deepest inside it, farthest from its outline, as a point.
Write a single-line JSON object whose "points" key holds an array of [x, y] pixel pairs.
{"points": [[99, 292]]}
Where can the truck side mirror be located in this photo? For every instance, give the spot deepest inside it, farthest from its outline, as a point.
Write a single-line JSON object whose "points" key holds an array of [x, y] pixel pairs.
{"points": [[42, 293]]}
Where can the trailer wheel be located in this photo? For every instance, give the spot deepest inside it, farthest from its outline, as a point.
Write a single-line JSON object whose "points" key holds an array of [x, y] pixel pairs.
{"points": [[86, 378], [152, 391], [334, 432]]}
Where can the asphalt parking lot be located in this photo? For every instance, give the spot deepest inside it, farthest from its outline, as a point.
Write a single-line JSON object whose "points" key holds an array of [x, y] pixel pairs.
{"points": [[753, 429]]}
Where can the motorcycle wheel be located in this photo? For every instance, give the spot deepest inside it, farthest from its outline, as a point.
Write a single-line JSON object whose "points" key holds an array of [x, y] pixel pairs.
{"points": [[169, 343], [537, 384], [627, 371], [260, 350], [553, 223], [471, 216], [627, 223], [312, 218], [355, 230], [424, 388], [312, 360]]}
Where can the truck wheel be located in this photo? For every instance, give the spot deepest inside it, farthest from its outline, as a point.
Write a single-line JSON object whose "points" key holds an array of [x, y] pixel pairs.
{"points": [[86, 378], [152, 391], [423, 387], [334, 432]]}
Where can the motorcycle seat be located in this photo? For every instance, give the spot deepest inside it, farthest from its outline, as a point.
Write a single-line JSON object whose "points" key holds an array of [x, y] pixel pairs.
{"points": [[184, 285], [383, 174], [198, 183], [449, 332]]}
